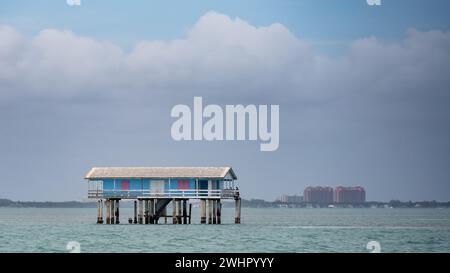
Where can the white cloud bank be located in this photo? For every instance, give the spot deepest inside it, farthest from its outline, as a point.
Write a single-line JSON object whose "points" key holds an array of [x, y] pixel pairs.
{"points": [[221, 54]]}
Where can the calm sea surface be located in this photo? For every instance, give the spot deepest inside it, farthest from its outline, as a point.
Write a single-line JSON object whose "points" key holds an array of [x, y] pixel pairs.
{"points": [[262, 230]]}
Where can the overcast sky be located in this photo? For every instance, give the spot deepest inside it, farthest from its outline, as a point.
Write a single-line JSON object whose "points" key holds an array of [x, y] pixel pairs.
{"points": [[364, 92]]}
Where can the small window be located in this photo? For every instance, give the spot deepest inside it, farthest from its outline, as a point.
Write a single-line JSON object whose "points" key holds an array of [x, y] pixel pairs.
{"points": [[183, 184], [125, 185]]}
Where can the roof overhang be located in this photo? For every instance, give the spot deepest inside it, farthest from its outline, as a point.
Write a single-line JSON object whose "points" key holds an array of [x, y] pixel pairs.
{"points": [[160, 172]]}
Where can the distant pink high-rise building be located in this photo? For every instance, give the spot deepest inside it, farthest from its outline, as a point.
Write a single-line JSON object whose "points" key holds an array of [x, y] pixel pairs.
{"points": [[320, 195], [349, 195]]}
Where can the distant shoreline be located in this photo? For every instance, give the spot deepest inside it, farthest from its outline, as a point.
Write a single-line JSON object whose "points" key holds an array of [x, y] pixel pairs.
{"points": [[253, 203]]}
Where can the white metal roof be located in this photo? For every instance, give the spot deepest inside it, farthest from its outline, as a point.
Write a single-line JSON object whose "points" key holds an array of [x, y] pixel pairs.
{"points": [[160, 172]]}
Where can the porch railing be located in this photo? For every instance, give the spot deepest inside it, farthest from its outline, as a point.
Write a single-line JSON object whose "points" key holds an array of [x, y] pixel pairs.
{"points": [[173, 193]]}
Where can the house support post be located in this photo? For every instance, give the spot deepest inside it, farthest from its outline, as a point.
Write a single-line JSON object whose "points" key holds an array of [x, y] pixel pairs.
{"points": [[174, 211], [214, 211], [113, 219], [135, 212], [99, 212], [141, 211], [210, 207], [219, 212], [237, 216], [108, 211], [190, 212], [117, 212], [184, 212], [179, 221], [202, 211], [146, 211]]}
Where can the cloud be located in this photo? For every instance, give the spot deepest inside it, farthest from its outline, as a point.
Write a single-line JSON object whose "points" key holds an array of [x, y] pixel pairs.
{"points": [[56, 62], [217, 52], [222, 56]]}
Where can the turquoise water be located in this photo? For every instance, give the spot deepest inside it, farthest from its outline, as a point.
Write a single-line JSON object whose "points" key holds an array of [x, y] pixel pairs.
{"points": [[262, 230]]}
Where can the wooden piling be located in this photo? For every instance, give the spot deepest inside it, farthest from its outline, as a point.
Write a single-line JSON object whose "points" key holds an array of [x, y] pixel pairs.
{"points": [[117, 212], [219, 212], [214, 202], [112, 211], [210, 205], [141, 211], [202, 211], [111, 215], [146, 211], [152, 211], [184, 212], [108, 211], [190, 212], [179, 218], [174, 211], [99, 212], [237, 217], [135, 212]]}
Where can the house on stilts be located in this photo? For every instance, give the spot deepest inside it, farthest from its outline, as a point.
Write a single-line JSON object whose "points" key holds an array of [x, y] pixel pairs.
{"points": [[154, 188]]}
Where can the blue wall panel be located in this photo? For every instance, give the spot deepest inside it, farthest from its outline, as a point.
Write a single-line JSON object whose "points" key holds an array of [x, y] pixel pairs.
{"points": [[110, 185], [135, 184]]}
